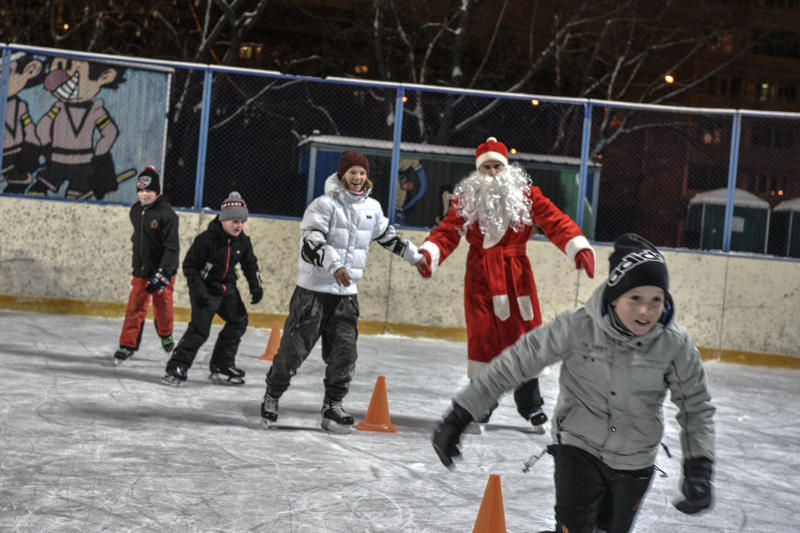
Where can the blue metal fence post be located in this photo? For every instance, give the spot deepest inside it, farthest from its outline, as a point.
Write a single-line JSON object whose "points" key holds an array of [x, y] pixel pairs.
{"points": [[202, 143], [397, 138], [586, 137], [733, 165], [5, 65]]}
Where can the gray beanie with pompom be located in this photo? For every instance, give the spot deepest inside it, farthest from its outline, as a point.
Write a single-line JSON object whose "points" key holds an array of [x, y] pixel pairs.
{"points": [[233, 208]]}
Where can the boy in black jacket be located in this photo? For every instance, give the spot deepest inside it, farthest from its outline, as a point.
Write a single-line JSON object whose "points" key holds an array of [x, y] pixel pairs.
{"points": [[211, 276], [155, 262]]}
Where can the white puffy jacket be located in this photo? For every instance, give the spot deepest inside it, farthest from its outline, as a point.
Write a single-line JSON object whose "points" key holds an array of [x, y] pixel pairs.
{"points": [[336, 232]]}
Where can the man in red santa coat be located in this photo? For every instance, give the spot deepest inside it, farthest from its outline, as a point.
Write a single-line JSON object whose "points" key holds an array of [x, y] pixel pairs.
{"points": [[497, 208]]}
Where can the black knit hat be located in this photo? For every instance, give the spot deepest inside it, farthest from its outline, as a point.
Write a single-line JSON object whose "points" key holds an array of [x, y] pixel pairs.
{"points": [[633, 263], [149, 180]]}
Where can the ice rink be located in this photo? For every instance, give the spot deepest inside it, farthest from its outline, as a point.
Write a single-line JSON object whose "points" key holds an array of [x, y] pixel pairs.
{"points": [[88, 446]]}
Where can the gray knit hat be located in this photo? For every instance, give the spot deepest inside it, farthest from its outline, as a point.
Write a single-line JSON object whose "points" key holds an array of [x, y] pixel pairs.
{"points": [[233, 208]]}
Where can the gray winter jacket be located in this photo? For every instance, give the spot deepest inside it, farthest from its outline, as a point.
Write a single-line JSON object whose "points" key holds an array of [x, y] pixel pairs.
{"points": [[611, 387], [336, 231]]}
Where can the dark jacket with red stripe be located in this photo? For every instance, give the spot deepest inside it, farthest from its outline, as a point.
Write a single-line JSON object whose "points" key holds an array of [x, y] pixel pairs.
{"points": [[209, 263], [155, 239]]}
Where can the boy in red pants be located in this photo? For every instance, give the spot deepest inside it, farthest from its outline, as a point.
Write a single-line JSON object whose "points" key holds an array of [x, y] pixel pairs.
{"points": [[155, 261]]}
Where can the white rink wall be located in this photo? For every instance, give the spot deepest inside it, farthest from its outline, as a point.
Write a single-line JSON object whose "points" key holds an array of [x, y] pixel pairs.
{"points": [[52, 252]]}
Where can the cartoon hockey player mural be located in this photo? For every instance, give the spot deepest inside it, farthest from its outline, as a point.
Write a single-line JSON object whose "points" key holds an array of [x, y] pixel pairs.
{"points": [[67, 130], [20, 143]]}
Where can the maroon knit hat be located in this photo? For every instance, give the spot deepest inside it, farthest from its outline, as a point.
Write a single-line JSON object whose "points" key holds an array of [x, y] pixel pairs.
{"points": [[351, 158]]}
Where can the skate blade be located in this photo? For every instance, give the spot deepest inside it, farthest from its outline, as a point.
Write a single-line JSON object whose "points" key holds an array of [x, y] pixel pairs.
{"points": [[118, 361], [332, 427], [222, 379], [538, 430], [171, 381], [266, 424]]}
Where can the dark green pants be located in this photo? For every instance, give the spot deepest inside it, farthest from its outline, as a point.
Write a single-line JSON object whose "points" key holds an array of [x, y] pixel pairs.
{"points": [[313, 315]]}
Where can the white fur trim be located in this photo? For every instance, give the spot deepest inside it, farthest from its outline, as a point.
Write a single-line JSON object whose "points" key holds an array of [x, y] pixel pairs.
{"points": [[525, 307], [575, 245], [490, 156], [502, 307], [432, 249]]}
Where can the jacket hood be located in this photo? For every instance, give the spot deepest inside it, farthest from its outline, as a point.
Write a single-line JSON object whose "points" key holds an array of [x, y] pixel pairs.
{"points": [[598, 310], [334, 188]]}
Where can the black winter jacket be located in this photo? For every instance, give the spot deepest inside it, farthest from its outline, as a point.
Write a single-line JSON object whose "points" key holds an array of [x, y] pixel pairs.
{"points": [[155, 239], [209, 263]]}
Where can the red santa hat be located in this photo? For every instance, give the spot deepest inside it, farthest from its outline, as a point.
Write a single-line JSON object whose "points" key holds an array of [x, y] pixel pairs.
{"points": [[491, 150]]}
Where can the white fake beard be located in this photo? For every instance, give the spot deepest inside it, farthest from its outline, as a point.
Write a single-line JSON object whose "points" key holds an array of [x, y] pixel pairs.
{"points": [[495, 202]]}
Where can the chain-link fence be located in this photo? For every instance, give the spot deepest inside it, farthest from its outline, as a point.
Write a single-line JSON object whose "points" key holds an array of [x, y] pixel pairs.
{"points": [[80, 126]]}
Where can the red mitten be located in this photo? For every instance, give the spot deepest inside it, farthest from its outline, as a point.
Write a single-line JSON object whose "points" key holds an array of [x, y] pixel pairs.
{"points": [[585, 260], [424, 267]]}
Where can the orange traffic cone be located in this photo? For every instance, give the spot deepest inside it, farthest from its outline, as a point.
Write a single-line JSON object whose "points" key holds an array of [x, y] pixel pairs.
{"points": [[378, 418], [273, 343], [491, 516]]}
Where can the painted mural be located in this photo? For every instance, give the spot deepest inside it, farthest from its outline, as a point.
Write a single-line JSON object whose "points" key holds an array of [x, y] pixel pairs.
{"points": [[80, 129]]}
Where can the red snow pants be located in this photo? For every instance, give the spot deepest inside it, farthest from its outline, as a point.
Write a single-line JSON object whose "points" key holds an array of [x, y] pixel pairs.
{"points": [[136, 312]]}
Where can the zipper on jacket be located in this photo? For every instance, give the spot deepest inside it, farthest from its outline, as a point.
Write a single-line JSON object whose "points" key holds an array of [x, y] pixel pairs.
{"points": [[141, 242], [227, 265]]}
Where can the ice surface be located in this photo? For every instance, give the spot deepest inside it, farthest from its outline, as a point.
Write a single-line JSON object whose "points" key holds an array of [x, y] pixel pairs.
{"points": [[89, 446]]}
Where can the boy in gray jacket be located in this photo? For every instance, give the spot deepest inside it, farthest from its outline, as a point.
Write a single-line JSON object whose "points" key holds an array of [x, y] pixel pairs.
{"points": [[335, 234], [619, 355]]}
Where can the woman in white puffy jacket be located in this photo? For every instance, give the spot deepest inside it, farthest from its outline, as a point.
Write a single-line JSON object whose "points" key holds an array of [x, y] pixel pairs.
{"points": [[335, 235]]}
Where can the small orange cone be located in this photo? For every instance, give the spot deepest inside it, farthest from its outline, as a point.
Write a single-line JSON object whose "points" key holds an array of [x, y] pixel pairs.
{"points": [[491, 516], [378, 418], [273, 343]]}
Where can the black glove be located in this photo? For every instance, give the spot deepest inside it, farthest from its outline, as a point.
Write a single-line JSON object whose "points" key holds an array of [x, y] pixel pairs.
{"points": [[696, 488], [157, 282], [447, 434], [202, 300], [256, 294]]}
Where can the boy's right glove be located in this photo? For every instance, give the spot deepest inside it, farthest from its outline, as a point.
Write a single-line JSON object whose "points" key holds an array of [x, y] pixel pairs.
{"points": [[447, 434], [157, 282], [696, 488]]}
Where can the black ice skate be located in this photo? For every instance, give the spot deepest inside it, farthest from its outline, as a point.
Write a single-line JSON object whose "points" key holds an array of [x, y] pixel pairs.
{"points": [[538, 418], [168, 343], [335, 419], [175, 376], [269, 410], [476, 428], [122, 354], [229, 375]]}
